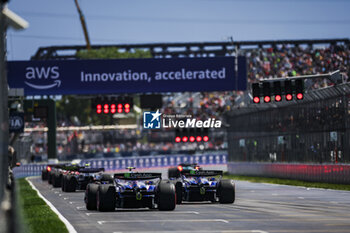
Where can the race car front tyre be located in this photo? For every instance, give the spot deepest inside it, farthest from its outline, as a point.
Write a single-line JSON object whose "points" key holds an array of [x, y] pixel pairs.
{"points": [[178, 190], [90, 196], [173, 172], [166, 195], [56, 182], [49, 177], [44, 175], [64, 181], [226, 191], [106, 198], [71, 184]]}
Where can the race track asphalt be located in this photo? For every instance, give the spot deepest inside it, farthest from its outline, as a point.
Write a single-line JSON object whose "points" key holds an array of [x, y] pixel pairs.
{"points": [[258, 208]]}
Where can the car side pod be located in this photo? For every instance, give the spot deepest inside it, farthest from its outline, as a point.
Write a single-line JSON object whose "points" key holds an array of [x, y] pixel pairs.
{"points": [[105, 198], [166, 195], [227, 192]]}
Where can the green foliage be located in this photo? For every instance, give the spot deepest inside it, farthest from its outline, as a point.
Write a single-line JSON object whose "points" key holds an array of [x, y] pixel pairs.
{"points": [[256, 179], [38, 217], [112, 53]]}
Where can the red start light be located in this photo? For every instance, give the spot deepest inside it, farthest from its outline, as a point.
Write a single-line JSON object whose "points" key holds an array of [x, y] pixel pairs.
{"points": [[48, 168], [127, 106], [113, 106], [185, 139], [127, 110], [113, 110], [177, 139], [300, 96], [278, 98], [205, 138], [99, 106], [199, 138], [180, 168], [120, 110], [256, 100], [120, 106], [192, 139], [289, 97], [98, 111], [106, 110], [267, 99], [105, 106]]}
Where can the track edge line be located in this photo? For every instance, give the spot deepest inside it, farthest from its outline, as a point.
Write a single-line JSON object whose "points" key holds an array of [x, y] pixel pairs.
{"points": [[69, 226]]}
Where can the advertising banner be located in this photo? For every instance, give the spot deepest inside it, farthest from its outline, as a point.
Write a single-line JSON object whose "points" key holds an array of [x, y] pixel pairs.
{"points": [[61, 77]]}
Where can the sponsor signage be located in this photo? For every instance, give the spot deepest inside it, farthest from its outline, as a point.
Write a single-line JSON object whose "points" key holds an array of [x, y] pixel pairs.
{"points": [[16, 122], [59, 77]]}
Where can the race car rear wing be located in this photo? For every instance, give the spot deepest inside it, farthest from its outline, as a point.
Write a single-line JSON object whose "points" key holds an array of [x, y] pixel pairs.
{"points": [[137, 176], [91, 170], [202, 173]]}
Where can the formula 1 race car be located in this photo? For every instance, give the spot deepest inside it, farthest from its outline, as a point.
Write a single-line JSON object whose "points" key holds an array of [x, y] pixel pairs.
{"points": [[175, 172], [202, 185], [50, 172], [131, 190], [78, 178]]}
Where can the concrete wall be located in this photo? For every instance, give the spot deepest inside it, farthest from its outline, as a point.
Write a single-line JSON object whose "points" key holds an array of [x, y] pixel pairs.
{"points": [[329, 173]]}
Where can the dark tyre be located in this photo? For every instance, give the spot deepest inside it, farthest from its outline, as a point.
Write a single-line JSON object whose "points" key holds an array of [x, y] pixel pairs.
{"points": [[44, 175], [226, 191], [56, 182], [64, 183], [106, 198], [49, 178], [173, 172], [90, 196], [71, 184], [166, 195], [107, 178], [178, 191]]}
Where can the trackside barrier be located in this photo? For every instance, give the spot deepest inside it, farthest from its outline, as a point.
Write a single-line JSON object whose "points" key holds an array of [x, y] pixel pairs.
{"points": [[329, 173], [138, 162]]}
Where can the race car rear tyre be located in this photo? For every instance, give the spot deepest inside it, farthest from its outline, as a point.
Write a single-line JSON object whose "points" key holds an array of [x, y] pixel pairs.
{"points": [[173, 172], [90, 196], [71, 184], [106, 198], [107, 178], [226, 192], [166, 195]]}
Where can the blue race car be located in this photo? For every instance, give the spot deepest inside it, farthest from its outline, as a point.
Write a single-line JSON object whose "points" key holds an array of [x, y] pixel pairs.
{"points": [[131, 190], [203, 185]]}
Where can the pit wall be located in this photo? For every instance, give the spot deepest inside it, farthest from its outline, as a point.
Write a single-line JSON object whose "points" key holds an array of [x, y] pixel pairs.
{"points": [[327, 173], [150, 162]]}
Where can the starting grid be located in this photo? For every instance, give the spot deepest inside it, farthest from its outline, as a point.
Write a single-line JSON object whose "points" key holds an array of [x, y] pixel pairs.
{"points": [[138, 162]]}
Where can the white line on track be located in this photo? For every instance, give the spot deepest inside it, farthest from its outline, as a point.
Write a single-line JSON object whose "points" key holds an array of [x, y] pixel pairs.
{"points": [[69, 226], [154, 212], [80, 207], [163, 220], [301, 198], [71, 202], [65, 198], [203, 231]]}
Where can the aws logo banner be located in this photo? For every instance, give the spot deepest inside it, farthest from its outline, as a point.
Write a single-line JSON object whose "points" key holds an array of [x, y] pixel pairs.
{"points": [[112, 76], [41, 78]]}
